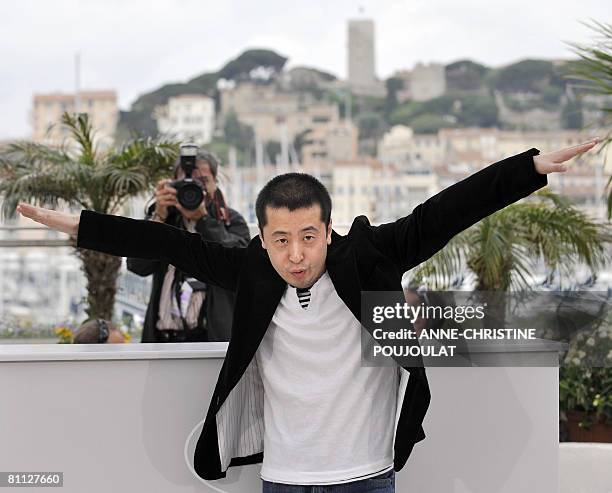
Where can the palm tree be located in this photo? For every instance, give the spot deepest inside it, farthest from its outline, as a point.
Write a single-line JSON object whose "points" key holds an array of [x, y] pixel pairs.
{"points": [[79, 175], [503, 249], [594, 73]]}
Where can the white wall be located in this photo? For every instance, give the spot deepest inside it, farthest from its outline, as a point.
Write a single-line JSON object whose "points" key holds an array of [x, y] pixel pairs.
{"points": [[117, 417]]}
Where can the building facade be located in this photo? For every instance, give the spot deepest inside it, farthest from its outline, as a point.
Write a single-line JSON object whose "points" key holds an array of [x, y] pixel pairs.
{"points": [[361, 59], [188, 117], [47, 110]]}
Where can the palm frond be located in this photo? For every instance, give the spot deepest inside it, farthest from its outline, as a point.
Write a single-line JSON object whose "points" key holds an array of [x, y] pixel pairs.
{"points": [[40, 174], [504, 249], [82, 132], [133, 168], [440, 270]]}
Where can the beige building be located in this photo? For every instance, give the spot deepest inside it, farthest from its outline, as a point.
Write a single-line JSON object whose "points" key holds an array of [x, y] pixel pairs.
{"points": [[101, 106], [427, 81], [188, 117], [336, 141], [351, 190], [453, 154], [423, 82], [411, 151], [275, 114], [398, 191]]}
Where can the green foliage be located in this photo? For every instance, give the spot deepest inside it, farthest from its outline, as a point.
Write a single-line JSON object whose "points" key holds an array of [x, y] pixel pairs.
{"points": [[428, 123], [552, 95], [477, 111], [593, 72], [298, 142], [78, 173], [371, 125], [272, 149], [238, 134], [465, 75], [82, 176], [135, 122], [140, 121], [447, 111], [241, 67], [503, 249], [338, 98], [393, 85], [407, 112], [526, 76], [571, 115], [586, 389]]}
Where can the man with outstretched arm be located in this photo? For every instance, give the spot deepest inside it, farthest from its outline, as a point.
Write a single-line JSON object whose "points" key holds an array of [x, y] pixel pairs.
{"points": [[292, 382]]}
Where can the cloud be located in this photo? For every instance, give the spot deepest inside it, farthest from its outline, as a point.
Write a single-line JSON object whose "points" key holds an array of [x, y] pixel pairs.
{"points": [[136, 46]]}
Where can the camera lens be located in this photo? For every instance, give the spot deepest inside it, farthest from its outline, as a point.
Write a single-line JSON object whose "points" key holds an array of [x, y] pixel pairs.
{"points": [[190, 195]]}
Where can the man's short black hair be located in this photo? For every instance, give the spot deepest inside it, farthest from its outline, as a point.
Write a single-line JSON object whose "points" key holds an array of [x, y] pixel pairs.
{"points": [[293, 191]]}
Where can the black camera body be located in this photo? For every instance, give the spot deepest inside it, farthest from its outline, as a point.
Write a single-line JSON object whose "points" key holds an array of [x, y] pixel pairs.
{"points": [[189, 192]]}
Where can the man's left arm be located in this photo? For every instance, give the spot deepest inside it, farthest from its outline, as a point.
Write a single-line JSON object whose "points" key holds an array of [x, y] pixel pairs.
{"points": [[413, 239]]}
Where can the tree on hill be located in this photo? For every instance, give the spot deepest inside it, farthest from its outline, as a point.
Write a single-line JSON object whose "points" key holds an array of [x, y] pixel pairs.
{"points": [[240, 68], [393, 86], [237, 133], [465, 75], [464, 110], [527, 76], [140, 120]]}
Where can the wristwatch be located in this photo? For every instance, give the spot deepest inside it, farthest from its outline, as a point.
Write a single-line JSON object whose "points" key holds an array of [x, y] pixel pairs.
{"points": [[157, 216]]}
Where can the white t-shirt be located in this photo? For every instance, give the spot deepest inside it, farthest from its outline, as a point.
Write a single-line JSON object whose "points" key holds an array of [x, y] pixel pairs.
{"points": [[327, 418]]}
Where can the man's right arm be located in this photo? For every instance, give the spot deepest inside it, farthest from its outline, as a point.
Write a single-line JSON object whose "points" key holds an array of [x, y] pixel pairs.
{"points": [[207, 261], [141, 266]]}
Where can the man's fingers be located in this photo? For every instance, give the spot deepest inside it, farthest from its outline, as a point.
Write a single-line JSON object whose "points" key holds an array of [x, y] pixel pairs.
{"points": [[37, 214], [29, 211], [167, 202], [166, 191], [162, 183], [570, 152]]}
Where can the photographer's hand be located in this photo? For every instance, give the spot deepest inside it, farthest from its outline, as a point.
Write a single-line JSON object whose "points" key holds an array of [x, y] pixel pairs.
{"points": [[66, 223], [165, 196], [195, 214]]}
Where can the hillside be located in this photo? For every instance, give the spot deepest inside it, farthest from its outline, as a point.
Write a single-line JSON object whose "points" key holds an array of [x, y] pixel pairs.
{"points": [[528, 94]]}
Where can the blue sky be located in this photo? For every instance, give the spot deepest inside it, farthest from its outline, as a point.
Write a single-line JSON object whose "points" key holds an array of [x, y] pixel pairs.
{"points": [[134, 46]]}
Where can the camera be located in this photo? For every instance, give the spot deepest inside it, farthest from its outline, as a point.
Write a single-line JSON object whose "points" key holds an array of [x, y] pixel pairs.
{"points": [[189, 192]]}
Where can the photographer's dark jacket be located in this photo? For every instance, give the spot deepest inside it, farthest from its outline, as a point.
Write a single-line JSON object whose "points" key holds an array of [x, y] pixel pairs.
{"points": [[368, 258], [218, 306]]}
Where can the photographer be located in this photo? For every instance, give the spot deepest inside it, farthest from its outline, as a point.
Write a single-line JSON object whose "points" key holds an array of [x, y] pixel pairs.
{"points": [[180, 308]]}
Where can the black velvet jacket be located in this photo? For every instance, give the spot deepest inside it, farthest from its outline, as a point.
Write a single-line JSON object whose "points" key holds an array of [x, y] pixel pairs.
{"points": [[368, 258]]}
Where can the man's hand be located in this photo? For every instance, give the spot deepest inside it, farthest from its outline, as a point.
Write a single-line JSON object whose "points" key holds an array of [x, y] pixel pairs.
{"points": [[552, 162], [66, 223], [165, 196], [195, 214]]}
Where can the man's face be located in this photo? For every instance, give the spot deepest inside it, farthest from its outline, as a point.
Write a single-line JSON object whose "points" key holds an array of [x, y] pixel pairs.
{"points": [[296, 242], [203, 174]]}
